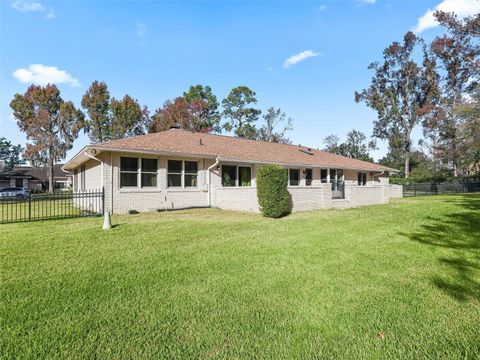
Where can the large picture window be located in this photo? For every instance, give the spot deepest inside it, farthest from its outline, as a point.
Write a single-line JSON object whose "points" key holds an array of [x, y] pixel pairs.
{"points": [[362, 179], [182, 173], [149, 172], [128, 172], [233, 175], [293, 177]]}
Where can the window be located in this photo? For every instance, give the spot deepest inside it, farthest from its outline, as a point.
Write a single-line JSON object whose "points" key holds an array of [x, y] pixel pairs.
{"points": [[191, 173], [128, 172], [294, 177], [82, 175], [362, 179], [323, 176], [149, 172], [308, 177], [233, 175], [229, 175], [174, 172], [336, 175], [244, 176], [182, 173]]}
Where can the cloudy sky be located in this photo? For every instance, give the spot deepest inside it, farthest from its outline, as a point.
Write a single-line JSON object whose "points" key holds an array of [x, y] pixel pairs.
{"points": [[306, 57]]}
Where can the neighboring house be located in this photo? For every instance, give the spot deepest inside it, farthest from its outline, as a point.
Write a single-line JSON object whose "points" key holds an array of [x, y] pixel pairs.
{"points": [[35, 178], [181, 169]]}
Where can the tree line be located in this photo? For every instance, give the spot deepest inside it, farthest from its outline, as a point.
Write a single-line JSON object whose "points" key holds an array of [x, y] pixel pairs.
{"points": [[434, 86], [52, 124]]}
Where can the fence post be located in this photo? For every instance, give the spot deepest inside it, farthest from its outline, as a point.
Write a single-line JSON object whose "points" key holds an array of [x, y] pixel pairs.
{"points": [[414, 189], [103, 200], [30, 207]]}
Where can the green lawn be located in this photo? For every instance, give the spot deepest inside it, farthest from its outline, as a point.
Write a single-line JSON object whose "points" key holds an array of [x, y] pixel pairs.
{"points": [[214, 284]]}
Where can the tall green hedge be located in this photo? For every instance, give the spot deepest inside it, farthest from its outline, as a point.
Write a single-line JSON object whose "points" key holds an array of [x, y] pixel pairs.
{"points": [[272, 193]]}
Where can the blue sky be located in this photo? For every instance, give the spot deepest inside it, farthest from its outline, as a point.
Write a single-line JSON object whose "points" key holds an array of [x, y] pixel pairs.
{"points": [[155, 50]]}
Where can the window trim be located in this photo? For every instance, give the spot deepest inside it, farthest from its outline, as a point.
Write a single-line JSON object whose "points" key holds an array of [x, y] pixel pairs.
{"points": [[182, 175], [237, 175]]}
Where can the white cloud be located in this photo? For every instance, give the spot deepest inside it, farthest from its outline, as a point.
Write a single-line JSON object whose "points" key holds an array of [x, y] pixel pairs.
{"points": [[43, 75], [295, 59], [33, 6], [460, 7], [322, 7], [27, 6], [366, 2]]}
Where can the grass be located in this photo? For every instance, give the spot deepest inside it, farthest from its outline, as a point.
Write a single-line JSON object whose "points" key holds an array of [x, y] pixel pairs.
{"points": [[390, 281]]}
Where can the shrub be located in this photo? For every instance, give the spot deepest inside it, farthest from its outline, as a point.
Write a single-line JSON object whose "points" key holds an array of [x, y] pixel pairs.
{"points": [[272, 193]]}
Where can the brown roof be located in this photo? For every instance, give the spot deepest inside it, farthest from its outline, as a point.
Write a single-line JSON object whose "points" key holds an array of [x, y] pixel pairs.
{"points": [[176, 141], [36, 173]]}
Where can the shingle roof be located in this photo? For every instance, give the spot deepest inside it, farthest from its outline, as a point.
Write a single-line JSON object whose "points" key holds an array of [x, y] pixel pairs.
{"points": [[178, 141], [36, 173]]}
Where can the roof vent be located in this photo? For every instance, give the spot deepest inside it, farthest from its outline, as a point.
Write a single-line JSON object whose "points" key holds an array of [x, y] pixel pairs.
{"points": [[306, 151]]}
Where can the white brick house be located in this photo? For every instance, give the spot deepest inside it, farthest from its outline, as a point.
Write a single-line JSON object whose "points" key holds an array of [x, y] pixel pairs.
{"points": [[180, 169]]}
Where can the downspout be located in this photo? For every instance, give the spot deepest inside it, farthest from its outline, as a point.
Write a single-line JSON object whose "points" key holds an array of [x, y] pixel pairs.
{"points": [[111, 182], [217, 161]]}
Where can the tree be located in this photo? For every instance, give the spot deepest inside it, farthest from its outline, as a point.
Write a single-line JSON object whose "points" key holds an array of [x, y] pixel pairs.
{"points": [[241, 116], [50, 123], [273, 119], [10, 154], [127, 118], [469, 133], [457, 53], [401, 91], [96, 102], [180, 113], [354, 147], [209, 116], [332, 145]]}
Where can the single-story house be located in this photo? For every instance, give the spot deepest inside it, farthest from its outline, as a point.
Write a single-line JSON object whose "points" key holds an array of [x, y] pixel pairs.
{"points": [[181, 169], [35, 178]]}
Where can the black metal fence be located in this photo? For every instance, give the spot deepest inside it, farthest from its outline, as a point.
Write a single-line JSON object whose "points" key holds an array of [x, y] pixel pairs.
{"points": [[419, 189], [44, 206]]}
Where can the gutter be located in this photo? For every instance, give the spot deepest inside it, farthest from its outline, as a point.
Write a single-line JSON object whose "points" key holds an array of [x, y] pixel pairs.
{"points": [[217, 161]]}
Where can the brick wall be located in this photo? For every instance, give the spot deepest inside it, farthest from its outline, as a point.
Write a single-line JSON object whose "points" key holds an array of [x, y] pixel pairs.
{"points": [[317, 196]]}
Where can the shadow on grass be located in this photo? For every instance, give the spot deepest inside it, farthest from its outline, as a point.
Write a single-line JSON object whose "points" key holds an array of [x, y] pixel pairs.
{"points": [[460, 232]]}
